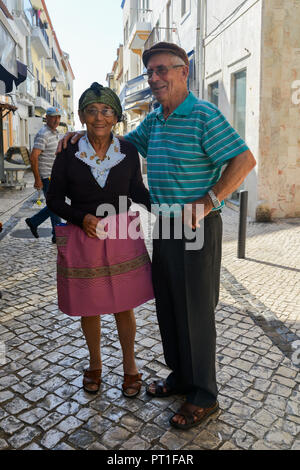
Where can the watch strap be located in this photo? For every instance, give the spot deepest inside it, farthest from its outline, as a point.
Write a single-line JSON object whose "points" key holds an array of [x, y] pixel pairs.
{"points": [[214, 199]]}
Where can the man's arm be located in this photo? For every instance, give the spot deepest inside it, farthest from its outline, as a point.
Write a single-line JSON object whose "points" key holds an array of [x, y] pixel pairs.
{"points": [[231, 178], [63, 143], [234, 174], [34, 161]]}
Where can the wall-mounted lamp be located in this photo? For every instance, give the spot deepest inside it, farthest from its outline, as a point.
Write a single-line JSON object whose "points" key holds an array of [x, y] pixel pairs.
{"points": [[54, 83]]}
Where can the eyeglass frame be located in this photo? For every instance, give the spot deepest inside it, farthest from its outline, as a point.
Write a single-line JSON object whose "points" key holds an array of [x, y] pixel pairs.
{"points": [[94, 112], [165, 71]]}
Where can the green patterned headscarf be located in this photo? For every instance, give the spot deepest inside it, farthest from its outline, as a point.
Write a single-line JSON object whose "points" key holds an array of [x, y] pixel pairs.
{"points": [[100, 94]]}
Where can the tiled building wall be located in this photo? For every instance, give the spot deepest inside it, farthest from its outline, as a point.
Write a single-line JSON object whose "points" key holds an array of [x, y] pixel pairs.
{"points": [[279, 163]]}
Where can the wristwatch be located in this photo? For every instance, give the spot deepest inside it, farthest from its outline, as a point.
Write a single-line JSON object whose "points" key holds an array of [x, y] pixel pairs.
{"points": [[214, 199]]}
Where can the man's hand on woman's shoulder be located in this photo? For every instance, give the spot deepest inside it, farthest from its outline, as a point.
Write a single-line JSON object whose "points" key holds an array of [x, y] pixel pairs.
{"points": [[75, 136]]}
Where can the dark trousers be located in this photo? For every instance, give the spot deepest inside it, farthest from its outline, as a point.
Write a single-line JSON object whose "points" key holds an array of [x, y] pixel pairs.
{"points": [[186, 285], [45, 213]]}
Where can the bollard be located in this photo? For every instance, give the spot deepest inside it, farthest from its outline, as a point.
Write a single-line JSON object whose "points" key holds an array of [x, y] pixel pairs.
{"points": [[242, 224], [2, 177]]}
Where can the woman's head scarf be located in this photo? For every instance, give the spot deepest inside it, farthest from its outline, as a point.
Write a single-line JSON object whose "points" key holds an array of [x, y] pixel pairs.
{"points": [[100, 94]]}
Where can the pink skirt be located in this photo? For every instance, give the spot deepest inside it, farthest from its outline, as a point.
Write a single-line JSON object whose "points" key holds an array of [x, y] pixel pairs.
{"points": [[98, 276]]}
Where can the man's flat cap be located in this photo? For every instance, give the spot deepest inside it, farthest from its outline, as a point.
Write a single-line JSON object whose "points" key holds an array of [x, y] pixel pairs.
{"points": [[165, 48]]}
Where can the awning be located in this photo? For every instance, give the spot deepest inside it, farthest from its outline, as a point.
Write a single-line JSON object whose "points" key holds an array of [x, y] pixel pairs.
{"points": [[22, 73], [6, 107], [5, 10], [191, 77], [135, 81], [139, 106], [138, 96], [7, 79]]}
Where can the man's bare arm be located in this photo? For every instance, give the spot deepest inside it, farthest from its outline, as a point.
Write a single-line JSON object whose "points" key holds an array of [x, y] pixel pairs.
{"points": [[234, 174], [231, 178], [34, 161]]}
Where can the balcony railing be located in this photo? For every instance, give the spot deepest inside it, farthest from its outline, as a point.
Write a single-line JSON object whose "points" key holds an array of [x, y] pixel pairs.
{"points": [[55, 103], [30, 82], [55, 59], [139, 16], [43, 31], [42, 92], [159, 34]]}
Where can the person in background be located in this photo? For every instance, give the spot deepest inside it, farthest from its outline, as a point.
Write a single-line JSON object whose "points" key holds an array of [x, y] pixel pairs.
{"points": [[95, 275], [42, 158]]}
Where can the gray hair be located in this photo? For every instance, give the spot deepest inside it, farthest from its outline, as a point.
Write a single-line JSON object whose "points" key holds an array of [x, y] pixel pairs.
{"points": [[177, 60]]}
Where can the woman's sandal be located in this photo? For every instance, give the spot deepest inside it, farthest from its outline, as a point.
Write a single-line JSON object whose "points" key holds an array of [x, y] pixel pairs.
{"points": [[160, 385], [92, 380], [132, 382], [193, 415]]}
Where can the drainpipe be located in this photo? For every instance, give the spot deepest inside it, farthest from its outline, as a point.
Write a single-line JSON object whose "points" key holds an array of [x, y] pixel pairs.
{"points": [[199, 62]]}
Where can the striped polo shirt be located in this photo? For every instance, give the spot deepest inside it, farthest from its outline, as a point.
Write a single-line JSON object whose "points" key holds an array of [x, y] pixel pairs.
{"points": [[186, 152], [46, 140]]}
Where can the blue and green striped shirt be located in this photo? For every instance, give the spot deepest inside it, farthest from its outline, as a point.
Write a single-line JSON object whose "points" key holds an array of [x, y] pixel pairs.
{"points": [[186, 152]]}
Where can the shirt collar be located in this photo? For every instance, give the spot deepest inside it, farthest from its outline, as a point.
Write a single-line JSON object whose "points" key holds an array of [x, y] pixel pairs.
{"points": [[54, 131], [184, 109]]}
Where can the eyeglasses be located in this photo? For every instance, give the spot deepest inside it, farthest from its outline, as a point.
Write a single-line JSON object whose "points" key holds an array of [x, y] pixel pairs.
{"points": [[106, 112], [161, 71]]}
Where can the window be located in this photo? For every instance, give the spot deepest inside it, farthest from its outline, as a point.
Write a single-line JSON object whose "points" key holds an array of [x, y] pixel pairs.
{"points": [[29, 12], [168, 14], [7, 51], [213, 93], [8, 5], [126, 32], [183, 7], [239, 110], [192, 74], [157, 32], [145, 4]]}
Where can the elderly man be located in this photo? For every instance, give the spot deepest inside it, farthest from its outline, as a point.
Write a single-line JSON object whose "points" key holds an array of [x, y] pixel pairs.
{"points": [[187, 141], [42, 158]]}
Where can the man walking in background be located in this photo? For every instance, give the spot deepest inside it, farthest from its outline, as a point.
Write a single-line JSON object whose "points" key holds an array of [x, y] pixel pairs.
{"points": [[42, 158]]}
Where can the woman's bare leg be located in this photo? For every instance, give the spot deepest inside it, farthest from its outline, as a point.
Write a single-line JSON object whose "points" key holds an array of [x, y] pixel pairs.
{"points": [[126, 326], [91, 327]]}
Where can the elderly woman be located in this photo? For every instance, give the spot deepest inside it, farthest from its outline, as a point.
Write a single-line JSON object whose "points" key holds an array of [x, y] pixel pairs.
{"points": [[98, 270]]}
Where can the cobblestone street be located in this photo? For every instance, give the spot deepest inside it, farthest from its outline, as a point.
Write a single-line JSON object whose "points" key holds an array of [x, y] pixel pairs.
{"points": [[43, 352]]}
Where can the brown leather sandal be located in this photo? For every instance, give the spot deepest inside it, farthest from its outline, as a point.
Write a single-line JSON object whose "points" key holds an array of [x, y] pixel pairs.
{"points": [[92, 380], [132, 382], [193, 415]]}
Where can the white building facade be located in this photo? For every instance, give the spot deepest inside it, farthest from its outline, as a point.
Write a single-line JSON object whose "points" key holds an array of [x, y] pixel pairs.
{"points": [[36, 46], [245, 58]]}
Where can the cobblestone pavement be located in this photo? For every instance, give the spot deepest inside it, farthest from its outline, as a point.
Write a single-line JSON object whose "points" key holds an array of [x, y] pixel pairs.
{"points": [[42, 404]]}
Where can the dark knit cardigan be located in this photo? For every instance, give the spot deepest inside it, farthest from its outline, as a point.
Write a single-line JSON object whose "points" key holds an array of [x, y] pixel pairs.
{"points": [[73, 179]]}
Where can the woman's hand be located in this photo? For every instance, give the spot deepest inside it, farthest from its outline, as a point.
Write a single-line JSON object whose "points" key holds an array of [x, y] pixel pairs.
{"points": [[75, 136], [89, 225]]}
